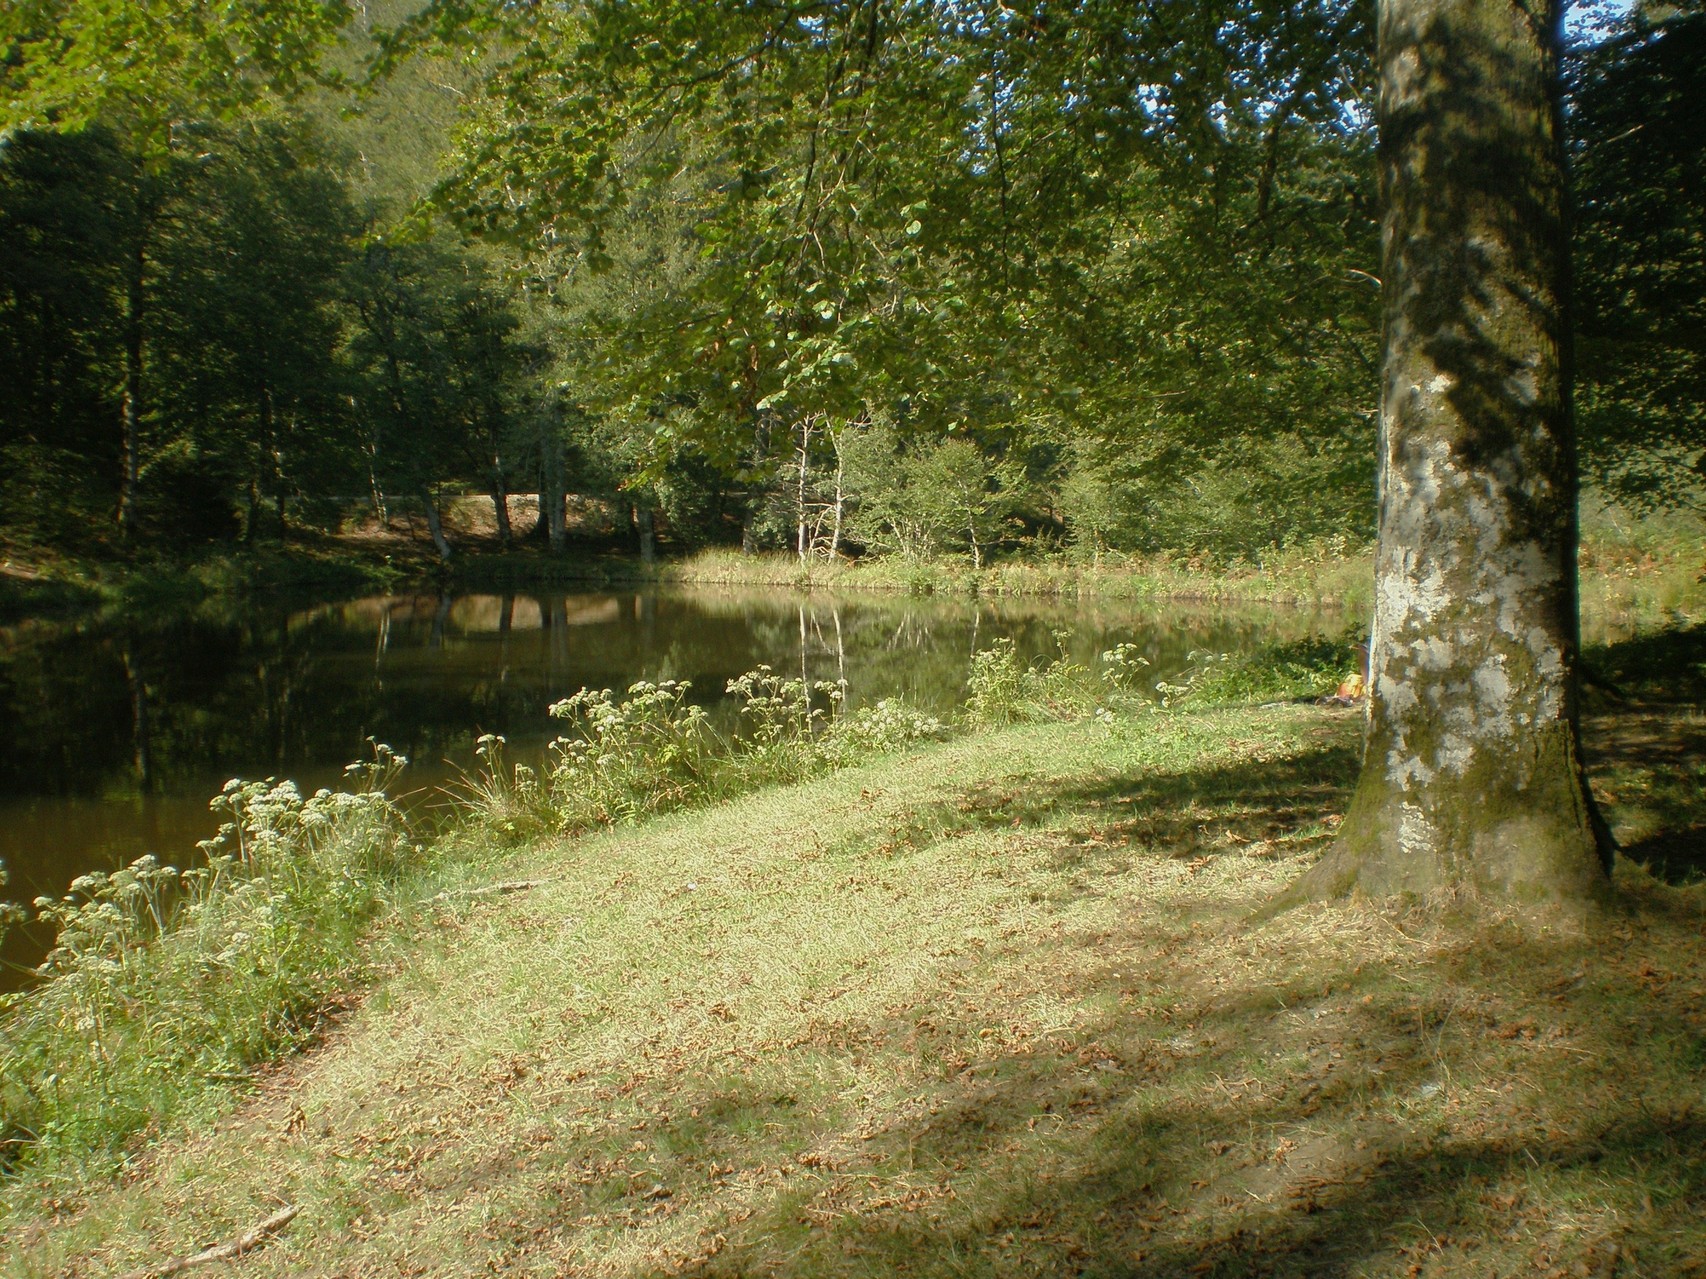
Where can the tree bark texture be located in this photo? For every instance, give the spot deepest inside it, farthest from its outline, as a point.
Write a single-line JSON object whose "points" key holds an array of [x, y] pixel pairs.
{"points": [[1472, 779], [553, 496], [500, 507], [434, 525]]}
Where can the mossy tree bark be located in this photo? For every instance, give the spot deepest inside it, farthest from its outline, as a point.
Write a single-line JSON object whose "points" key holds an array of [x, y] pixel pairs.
{"points": [[1472, 779]]}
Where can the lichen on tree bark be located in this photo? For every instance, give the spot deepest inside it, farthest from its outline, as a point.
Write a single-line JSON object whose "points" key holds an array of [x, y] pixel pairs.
{"points": [[1472, 778]]}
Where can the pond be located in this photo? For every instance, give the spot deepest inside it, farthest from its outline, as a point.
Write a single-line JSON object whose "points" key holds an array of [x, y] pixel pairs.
{"points": [[118, 733]]}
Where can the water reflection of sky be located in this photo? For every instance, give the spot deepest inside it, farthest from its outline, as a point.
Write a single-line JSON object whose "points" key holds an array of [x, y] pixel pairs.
{"points": [[121, 732]]}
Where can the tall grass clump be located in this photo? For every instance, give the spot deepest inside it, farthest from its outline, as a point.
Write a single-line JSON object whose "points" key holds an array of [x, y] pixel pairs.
{"points": [[165, 982], [652, 750], [1293, 670], [1333, 571], [1002, 689]]}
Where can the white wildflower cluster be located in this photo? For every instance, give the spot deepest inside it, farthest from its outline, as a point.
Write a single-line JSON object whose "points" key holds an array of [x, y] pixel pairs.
{"points": [[1123, 666], [889, 725]]}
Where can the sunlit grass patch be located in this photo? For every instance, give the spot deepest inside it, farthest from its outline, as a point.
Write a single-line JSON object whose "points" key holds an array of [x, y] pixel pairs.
{"points": [[993, 1007]]}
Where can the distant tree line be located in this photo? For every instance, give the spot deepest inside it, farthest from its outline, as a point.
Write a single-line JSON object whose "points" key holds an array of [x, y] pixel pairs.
{"points": [[803, 308]]}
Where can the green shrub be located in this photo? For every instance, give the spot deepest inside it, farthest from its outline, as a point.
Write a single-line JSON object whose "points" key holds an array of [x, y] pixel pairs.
{"points": [[1303, 668], [162, 980], [1001, 689], [653, 751]]}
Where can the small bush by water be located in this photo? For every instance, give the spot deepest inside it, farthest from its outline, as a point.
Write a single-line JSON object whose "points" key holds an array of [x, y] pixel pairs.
{"points": [[1292, 670], [163, 980], [651, 750]]}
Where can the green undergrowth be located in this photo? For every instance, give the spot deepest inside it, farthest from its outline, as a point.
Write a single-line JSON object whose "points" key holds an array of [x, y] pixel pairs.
{"points": [[990, 1007], [39, 585], [986, 1005], [164, 981], [24, 597], [1634, 573], [1319, 573], [627, 756], [1303, 669]]}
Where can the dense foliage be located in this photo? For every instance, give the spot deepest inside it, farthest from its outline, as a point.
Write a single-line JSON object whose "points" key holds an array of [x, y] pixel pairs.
{"points": [[855, 276]]}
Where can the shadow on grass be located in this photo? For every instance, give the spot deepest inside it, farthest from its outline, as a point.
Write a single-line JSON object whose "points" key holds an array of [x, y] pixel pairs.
{"points": [[1256, 1139], [1646, 749], [1665, 665], [1227, 808], [1246, 1135], [1508, 1103]]}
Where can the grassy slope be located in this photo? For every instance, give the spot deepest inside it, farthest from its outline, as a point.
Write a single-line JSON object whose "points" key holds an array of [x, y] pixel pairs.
{"points": [[991, 1009]]}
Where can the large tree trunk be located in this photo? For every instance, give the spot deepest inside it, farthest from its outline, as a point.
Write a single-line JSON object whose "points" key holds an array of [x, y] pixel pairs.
{"points": [[1472, 779]]}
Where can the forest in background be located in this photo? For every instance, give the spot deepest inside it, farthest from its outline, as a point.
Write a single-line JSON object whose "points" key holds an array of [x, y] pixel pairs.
{"points": [[914, 280]]}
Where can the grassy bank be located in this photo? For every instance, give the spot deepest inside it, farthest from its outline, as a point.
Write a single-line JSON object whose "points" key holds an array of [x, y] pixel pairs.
{"points": [[1637, 576], [991, 1007], [1638, 573], [1307, 576], [36, 584]]}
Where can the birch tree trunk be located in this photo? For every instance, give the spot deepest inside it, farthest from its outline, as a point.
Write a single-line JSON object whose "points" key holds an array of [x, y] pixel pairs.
{"points": [[802, 531], [1472, 781], [434, 526], [840, 498]]}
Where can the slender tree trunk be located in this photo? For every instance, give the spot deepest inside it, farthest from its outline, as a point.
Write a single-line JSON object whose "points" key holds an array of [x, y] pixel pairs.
{"points": [[1472, 779], [434, 526], [760, 455], [645, 523], [440, 616], [381, 512], [275, 454], [382, 639], [802, 535], [500, 506], [840, 497], [840, 655], [130, 409], [556, 527], [553, 497], [254, 519], [141, 734], [646, 608]]}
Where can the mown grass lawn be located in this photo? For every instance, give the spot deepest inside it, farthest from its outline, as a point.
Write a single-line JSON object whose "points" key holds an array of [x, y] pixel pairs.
{"points": [[993, 1008]]}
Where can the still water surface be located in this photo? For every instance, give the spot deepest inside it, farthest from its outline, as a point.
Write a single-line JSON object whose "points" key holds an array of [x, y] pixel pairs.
{"points": [[115, 735]]}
